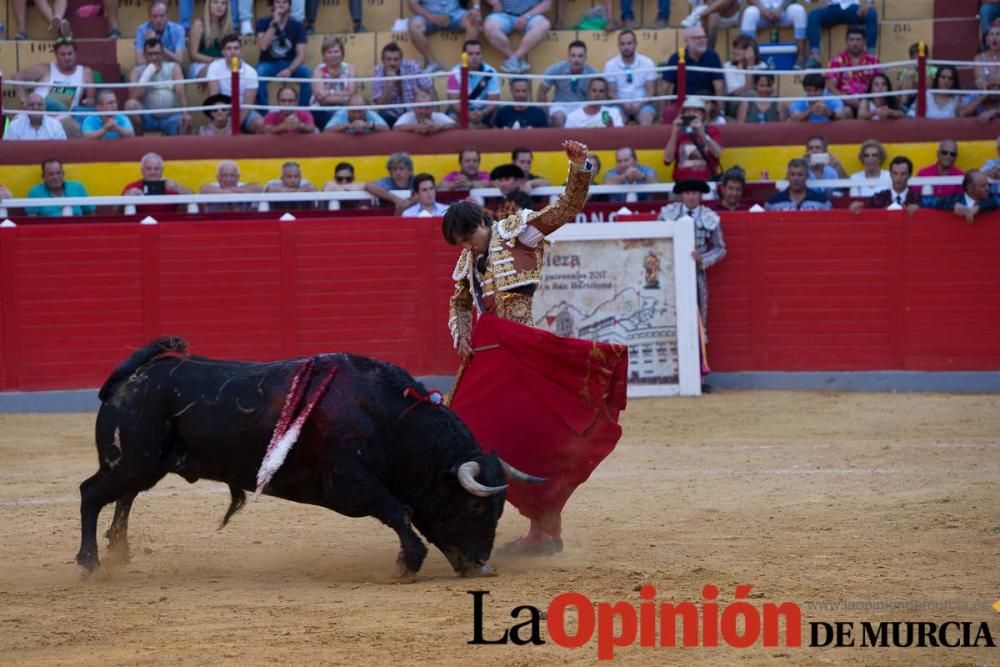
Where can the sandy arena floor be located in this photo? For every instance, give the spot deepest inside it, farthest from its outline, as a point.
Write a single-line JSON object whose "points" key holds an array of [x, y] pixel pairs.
{"points": [[850, 505]]}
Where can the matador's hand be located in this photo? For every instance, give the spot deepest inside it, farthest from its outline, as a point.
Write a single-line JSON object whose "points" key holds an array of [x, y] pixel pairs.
{"points": [[576, 152]]}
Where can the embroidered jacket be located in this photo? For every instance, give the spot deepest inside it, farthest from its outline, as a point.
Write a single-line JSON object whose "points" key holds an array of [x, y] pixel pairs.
{"points": [[507, 275]]}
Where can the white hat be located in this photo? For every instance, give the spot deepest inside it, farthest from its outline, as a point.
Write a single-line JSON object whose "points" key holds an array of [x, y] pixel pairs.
{"points": [[693, 102]]}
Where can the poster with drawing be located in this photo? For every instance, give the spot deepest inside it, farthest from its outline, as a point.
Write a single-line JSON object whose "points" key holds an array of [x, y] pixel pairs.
{"points": [[623, 290]]}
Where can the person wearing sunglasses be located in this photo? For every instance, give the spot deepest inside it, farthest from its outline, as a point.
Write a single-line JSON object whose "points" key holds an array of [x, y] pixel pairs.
{"points": [[631, 77], [872, 156], [343, 181], [570, 92], [947, 153]]}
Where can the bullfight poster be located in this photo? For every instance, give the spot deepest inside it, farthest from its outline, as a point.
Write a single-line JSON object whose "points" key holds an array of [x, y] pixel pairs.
{"points": [[631, 283]]}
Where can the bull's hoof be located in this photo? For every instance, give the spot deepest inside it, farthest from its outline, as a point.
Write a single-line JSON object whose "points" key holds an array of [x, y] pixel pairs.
{"points": [[86, 567], [483, 570], [407, 574]]}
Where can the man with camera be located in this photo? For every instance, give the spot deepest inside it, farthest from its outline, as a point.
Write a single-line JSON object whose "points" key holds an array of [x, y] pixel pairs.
{"points": [[694, 149]]}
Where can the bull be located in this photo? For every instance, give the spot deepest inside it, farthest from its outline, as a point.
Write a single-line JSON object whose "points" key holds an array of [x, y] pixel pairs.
{"points": [[368, 448]]}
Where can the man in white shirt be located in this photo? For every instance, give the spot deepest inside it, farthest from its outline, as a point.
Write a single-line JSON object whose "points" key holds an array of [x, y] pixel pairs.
{"points": [[220, 73], [423, 119], [595, 114], [227, 181], [36, 126], [426, 192], [291, 181], [632, 76]]}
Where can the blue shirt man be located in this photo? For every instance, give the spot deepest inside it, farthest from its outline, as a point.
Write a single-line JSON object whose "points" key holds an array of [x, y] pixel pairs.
{"points": [[54, 184]]}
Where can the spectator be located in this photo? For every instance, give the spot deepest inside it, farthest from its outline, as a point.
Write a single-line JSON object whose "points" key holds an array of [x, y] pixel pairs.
{"points": [[823, 109], [709, 246], [836, 12], [484, 85], [595, 171], [507, 178], [219, 124], [222, 82], [973, 200], [713, 15], [54, 15], [823, 165], [227, 181], [887, 107], [900, 193], [762, 110], [992, 170], [737, 71], [697, 82], [37, 126], [731, 186], [291, 181], [4, 193], [343, 181], [286, 120], [853, 82], [628, 171], [798, 197], [526, 16], [595, 114], [206, 37], [282, 43], [109, 126], [400, 167], [872, 156], [521, 114], [571, 92], [399, 92], [947, 154], [424, 194], [356, 119], [694, 149], [170, 34], [423, 119], [468, 175], [943, 105], [337, 83], [64, 85], [54, 184], [162, 88], [989, 57], [428, 16], [773, 13], [986, 106], [989, 12], [523, 158], [153, 183], [632, 76]]}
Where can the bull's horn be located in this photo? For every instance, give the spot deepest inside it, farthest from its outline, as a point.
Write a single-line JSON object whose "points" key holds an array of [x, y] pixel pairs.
{"points": [[467, 478], [515, 474]]}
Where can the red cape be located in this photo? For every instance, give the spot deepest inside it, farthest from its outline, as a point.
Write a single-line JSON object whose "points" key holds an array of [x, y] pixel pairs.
{"points": [[548, 405]]}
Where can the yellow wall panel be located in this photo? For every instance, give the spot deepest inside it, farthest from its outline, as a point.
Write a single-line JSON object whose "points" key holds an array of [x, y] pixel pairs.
{"points": [[895, 10], [895, 38]]}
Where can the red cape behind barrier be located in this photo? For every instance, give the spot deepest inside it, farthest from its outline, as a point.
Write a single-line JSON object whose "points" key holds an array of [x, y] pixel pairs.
{"points": [[548, 405]]}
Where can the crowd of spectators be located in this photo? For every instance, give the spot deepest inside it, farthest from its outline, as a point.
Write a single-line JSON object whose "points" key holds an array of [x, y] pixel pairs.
{"points": [[632, 80]]}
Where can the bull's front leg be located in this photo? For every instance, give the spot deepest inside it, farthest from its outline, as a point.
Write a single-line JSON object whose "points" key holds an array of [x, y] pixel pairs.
{"points": [[411, 548]]}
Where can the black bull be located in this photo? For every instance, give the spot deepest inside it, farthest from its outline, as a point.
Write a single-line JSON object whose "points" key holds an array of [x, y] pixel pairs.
{"points": [[362, 452]]}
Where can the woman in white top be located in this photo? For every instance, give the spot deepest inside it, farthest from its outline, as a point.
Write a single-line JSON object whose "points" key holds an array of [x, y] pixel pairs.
{"points": [[337, 83], [745, 59], [990, 56], [205, 41], [872, 156], [884, 107]]}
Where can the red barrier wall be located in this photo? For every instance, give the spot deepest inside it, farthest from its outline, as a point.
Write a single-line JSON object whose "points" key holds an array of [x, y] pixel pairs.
{"points": [[796, 292]]}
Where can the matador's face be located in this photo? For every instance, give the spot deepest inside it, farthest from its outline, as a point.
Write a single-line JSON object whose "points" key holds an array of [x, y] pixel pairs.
{"points": [[478, 241]]}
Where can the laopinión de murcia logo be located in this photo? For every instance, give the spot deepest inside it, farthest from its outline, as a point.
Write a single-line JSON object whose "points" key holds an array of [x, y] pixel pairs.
{"points": [[572, 620]]}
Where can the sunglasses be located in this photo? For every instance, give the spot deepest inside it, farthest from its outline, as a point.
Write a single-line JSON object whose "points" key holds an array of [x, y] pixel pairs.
{"points": [[344, 179], [948, 153], [62, 41]]}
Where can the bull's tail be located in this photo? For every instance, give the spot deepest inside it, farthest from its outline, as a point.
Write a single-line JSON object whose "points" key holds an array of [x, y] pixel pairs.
{"points": [[169, 345], [237, 499]]}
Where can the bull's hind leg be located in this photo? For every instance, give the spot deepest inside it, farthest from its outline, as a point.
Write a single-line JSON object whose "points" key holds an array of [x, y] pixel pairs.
{"points": [[95, 493]]}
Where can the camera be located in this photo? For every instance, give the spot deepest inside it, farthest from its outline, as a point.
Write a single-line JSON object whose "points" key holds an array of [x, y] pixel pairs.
{"points": [[686, 124]]}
